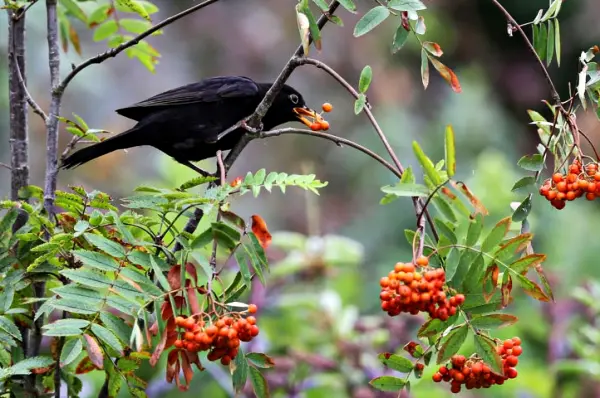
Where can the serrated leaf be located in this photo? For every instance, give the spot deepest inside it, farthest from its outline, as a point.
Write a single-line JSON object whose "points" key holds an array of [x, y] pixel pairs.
{"points": [[493, 321], [240, 374], [387, 383], [427, 164], [261, 360], [420, 27], [522, 212], [513, 246], [94, 351], [496, 235], [106, 245], [433, 48], [523, 183], [531, 288], [9, 327], [88, 278], [395, 362], [474, 231], [259, 383], [486, 348], [366, 76], [107, 337], [136, 7], [370, 20], [451, 343], [534, 162], [452, 261], [96, 260], [70, 351], [72, 7]]}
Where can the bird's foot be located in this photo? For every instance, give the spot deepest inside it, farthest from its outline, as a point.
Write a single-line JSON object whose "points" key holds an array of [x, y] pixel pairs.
{"points": [[251, 129]]}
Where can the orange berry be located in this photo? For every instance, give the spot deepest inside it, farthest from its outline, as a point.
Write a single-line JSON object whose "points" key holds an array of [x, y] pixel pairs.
{"points": [[324, 125], [590, 196], [460, 299], [516, 351], [422, 261], [511, 373], [251, 320], [437, 377], [571, 178], [178, 343], [571, 195], [511, 361], [582, 184], [561, 186], [188, 336], [551, 195], [592, 187], [226, 360], [597, 176], [557, 177], [516, 341], [561, 196], [327, 107], [409, 267], [189, 323], [383, 282], [315, 126], [508, 344], [179, 321], [254, 331], [212, 330]]}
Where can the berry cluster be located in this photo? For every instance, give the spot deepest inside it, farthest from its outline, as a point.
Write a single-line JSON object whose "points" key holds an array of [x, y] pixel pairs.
{"points": [[579, 181], [474, 373], [221, 338], [319, 123], [407, 289]]}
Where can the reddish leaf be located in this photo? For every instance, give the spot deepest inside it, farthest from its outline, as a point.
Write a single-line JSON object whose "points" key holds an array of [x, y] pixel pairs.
{"points": [[514, 245], [174, 277], [446, 191], [170, 325], [259, 227], [237, 181], [179, 302], [489, 277], [154, 328], [405, 21], [523, 264], [172, 357], [74, 39], [171, 337], [193, 297], [506, 289], [544, 280], [85, 366], [190, 268], [418, 370], [166, 311], [193, 358], [433, 48], [493, 321], [173, 366], [188, 373], [41, 371], [447, 74], [495, 274], [476, 203], [94, 351], [414, 349], [532, 289], [160, 347]]}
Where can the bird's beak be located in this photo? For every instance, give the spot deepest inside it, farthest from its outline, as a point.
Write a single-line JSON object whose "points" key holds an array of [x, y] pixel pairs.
{"points": [[301, 114]]}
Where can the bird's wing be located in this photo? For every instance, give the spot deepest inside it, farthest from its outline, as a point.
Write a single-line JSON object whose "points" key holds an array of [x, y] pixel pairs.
{"points": [[208, 90]]}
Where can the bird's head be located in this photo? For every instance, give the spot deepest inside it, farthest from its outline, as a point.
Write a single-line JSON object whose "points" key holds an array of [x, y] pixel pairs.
{"points": [[289, 106]]}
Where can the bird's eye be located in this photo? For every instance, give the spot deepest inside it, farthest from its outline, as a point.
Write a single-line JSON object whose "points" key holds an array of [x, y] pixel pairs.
{"points": [[294, 98]]}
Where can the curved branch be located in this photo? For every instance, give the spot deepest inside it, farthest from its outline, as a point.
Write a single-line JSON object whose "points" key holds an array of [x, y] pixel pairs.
{"points": [[335, 139], [114, 51]]}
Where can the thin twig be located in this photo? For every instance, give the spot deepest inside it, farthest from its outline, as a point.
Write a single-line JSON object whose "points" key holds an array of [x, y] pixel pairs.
{"points": [[21, 14], [114, 51], [6, 166], [221, 167], [34, 106], [518, 27], [335, 139]]}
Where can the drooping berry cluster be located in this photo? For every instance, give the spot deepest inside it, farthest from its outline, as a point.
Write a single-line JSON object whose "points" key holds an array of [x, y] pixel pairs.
{"points": [[319, 123], [579, 181], [474, 373], [407, 289], [221, 338]]}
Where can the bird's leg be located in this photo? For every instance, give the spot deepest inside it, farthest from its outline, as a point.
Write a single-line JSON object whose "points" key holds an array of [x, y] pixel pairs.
{"points": [[196, 169], [251, 129]]}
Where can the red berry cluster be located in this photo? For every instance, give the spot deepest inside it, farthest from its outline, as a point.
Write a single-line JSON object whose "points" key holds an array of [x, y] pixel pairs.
{"points": [[407, 289], [474, 373], [580, 181], [222, 338]]}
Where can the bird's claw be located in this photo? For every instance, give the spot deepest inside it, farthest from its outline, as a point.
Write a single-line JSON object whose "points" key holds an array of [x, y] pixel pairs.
{"points": [[251, 129]]}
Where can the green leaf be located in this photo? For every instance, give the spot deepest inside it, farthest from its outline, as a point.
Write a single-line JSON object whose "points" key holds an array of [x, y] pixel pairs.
{"points": [[322, 4], [406, 5], [550, 43], [70, 351], [24, 367], [451, 343], [493, 321], [135, 26], [9, 327], [243, 265], [523, 210], [99, 15], [74, 323], [445, 230], [557, 43], [496, 235], [360, 103], [107, 337], [486, 348], [427, 164], [424, 68], [406, 190], [523, 183], [106, 245], [74, 10], [450, 152], [387, 383], [74, 306], [96, 260], [400, 38], [434, 326], [88, 278], [540, 40], [158, 274], [474, 231], [370, 20], [366, 76], [395, 362], [452, 261], [259, 383], [240, 374], [261, 360], [117, 326], [348, 5], [105, 30], [523, 264], [136, 7]]}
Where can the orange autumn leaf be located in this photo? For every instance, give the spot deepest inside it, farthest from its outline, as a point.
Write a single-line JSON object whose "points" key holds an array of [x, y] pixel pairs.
{"points": [[236, 182], [446, 191], [476, 203], [75, 39], [94, 351], [84, 366], [259, 228], [447, 74]]}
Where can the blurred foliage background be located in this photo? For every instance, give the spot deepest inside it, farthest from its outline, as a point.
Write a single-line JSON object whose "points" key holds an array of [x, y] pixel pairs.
{"points": [[320, 314]]}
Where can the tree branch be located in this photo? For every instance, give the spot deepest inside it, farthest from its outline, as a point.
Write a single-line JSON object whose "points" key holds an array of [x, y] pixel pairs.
{"points": [[19, 141], [515, 25], [115, 51], [34, 106]]}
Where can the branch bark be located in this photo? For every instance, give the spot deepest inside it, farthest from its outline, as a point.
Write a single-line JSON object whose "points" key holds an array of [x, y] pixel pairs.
{"points": [[19, 140]]}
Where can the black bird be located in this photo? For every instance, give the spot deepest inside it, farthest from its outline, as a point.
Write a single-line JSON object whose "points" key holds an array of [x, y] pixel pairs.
{"points": [[185, 122]]}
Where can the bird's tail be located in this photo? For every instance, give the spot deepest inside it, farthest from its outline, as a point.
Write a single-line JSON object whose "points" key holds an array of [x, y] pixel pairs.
{"points": [[84, 155]]}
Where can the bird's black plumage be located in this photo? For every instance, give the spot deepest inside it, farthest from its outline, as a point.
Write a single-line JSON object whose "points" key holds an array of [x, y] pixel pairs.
{"points": [[185, 122]]}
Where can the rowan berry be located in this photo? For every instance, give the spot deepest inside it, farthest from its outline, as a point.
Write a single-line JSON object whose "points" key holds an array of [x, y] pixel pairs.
{"points": [[327, 107]]}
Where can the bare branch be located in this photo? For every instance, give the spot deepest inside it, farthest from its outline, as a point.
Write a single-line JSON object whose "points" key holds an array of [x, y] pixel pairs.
{"points": [[6, 166], [34, 106], [114, 51], [19, 140]]}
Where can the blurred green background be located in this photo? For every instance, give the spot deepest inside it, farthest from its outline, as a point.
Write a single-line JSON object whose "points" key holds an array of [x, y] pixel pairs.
{"points": [[323, 324]]}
